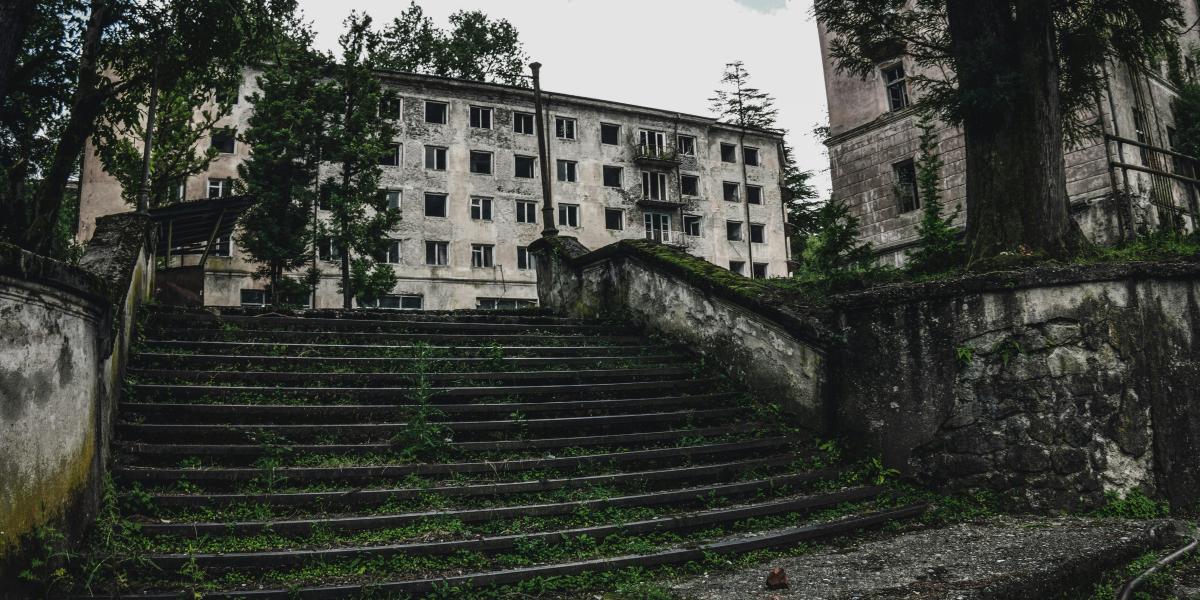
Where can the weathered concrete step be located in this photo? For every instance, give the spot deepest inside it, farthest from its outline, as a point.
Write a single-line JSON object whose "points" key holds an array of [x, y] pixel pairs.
{"points": [[360, 497], [282, 434], [146, 391], [675, 523], [301, 527], [164, 322], [452, 316], [363, 337], [432, 353], [267, 414], [733, 546], [360, 364], [216, 476], [314, 378]]}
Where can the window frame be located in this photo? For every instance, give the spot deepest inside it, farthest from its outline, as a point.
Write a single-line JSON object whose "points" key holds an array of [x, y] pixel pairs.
{"points": [[526, 258], [698, 221], [663, 232], [732, 226], [568, 213], [483, 256], [445, 205], [746, 154], [740, 269], [399, 194], [400, 298], [224, 187], [533, 170], [481, 110], [908, 165], [761, 228], [737, 191], [903, 100], [568, 167], [441, 152], [445, 112], [649, 179], [387, 102], [393, 254], [519, 117], [620, 213], [526, 209], [683, 188], [732, 152], [393, 158], [679, 139], [481, 205], [491, 162], [223, 132], [441, 253], [616, 126], [758, 189], [565, 121], [620, 171], [766, 270]]}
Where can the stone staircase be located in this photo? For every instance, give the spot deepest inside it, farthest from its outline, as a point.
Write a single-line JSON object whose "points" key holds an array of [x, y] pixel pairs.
{"points": [[332, 454]]}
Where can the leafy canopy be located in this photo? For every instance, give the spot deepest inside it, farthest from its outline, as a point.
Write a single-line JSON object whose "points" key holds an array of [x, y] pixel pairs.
{"points": [[475, 47]]}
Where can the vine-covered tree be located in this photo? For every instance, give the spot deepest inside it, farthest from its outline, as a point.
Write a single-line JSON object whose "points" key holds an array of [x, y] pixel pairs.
{"points": [[1015, 75], [475, 47], [359, 134], [285, 136]]}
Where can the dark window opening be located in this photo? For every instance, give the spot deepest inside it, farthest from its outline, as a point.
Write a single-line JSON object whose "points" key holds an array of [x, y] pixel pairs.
{"points": [[897, 87], [612, 176], [907, 196], [729, 191], [750, 156], [689, 185], [760, 270], [435, 158], [223, 140], [758, 233], [435, 112], [523, 123], [733, 231], [435, 205], [481, 118], [614, 219], [728, 153], [481, 162], [610, 134], [754, 194], [525, 167]]}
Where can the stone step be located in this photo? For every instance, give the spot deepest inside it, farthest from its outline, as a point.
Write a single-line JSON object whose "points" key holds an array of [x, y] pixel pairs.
{"points": [[365, 497], [368, 337], [308, 475], [682, 555], [427, 353], [175, 323], [283, 434], [677, 523], [579, 377], [434, 394], [301, 527], [159, 360], [453, 316], [274, 414]]}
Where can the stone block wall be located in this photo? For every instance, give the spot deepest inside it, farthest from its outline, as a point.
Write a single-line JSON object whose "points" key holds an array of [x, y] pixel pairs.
{"points": [[64, 333], [1050, 387]]}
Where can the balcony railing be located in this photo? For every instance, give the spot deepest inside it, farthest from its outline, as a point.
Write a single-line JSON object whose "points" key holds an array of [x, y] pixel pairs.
{"points": [[643, 153]]}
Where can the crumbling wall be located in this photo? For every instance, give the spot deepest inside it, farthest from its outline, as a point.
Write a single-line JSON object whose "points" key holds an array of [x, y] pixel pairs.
{"points": [[1051, 387], [64, 334]]}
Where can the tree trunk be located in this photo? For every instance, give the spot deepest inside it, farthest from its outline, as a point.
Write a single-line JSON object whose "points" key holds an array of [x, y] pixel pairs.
{"points": [[347, 290], [15, 17], [86, 106], [1007, 63]]}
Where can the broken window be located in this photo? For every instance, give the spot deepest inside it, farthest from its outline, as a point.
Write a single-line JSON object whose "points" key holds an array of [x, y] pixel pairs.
{"points": [[481, 118], [389, 106], [737, 266], [610, 134], [691, 225], [613, 176], [758, 233], [437, 254], [689, 185], [394, 302], [614, 219], [255, 298], [733, 231], [435, 205], [897, 87], [481, 162], [567, 171], [760, 270], [435, 112], [392, 198], [658, 227], [907, 197], [750, 156], [754, 194], [654, 186], [524, 167], [730, 190], [390, 254], [652, 143], [504, 304], [564, 128], [687, 145], [220, 188], [481, 209], [223, 140], [523, 123], [568, 215], [482, 256], [728, 153], [524, 259], [392, 157], [435, 158], [328, 250], [223, 246], [526, 212]]}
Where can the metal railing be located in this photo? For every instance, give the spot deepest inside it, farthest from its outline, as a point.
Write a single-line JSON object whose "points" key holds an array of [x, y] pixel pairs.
{"points": [[1174, 182]]}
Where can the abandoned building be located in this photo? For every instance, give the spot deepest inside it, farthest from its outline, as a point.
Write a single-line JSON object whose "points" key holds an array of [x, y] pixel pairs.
{"points": [[1122, 181], [465, 176]]}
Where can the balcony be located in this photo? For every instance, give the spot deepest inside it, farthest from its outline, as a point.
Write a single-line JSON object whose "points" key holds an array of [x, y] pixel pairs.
{"points": [[655, 156], [666, 236]]}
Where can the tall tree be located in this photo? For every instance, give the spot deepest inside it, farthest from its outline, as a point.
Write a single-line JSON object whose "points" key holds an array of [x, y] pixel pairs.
{"points": [[738, 103], [16, 17], [938, 248], [123, 47], [285, 136], [358, 137], [1015, 75], [800, 200], [475, 47]]}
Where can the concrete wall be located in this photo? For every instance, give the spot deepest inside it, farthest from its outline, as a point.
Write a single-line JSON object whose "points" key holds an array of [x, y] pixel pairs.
{"points": [[671, 294], [866, 139], [1050, 387], [64, 332], [458, 284]]}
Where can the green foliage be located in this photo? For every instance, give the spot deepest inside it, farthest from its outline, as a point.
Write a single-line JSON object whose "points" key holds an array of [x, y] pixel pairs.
{"points": [[1007, 350], [1161, 245], [965, 355], [356, 138], [422, 439], [938, 247], [833, 249], [738, 103], [1186, 109], [285, 138], [475, 47], [1134, 505], [49, 558]]}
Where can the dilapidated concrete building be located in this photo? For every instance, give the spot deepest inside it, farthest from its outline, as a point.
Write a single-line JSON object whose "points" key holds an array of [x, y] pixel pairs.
{"points": [[465, 175], [1124, 181]]}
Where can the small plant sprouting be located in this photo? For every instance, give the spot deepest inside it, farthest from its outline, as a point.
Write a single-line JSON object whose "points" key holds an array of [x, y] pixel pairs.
{"points": [[965, 355], [878, 474], [1007, 350], [422, 439]]}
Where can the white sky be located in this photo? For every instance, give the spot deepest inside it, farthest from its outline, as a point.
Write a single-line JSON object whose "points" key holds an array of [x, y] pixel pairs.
{"points": [[665, 54]]}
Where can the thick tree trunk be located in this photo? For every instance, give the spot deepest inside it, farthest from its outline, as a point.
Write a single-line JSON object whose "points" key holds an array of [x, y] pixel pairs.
{"points": [[15, 17], [1007, 63], [86, 106]]}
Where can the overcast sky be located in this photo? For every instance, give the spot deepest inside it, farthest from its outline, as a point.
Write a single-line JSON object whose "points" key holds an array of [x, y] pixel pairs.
{"points": [[666, 54]]}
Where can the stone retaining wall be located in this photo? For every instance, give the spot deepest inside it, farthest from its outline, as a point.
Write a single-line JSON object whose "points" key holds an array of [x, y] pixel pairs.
{"points": [[64, 332]]}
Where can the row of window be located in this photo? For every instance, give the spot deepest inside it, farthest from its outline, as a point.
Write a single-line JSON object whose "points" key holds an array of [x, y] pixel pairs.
{"points": [[252, 297], [437, 254]]}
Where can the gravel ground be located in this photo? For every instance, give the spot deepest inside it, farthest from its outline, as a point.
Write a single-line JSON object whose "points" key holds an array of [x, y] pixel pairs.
{"points": [[1005, 557]]}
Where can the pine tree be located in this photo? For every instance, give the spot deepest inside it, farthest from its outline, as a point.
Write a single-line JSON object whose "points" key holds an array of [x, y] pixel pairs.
{"points": [[800, 198], [358, 137], [938, 247], [475, 47], [285, 136], [833, 249]]}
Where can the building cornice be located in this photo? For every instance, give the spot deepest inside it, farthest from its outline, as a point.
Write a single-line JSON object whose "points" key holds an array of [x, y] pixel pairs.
{"points": [[880, 122]]}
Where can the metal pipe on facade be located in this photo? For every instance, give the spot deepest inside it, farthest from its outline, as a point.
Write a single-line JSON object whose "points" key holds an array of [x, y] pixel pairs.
{"points": [[548, 228]]}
